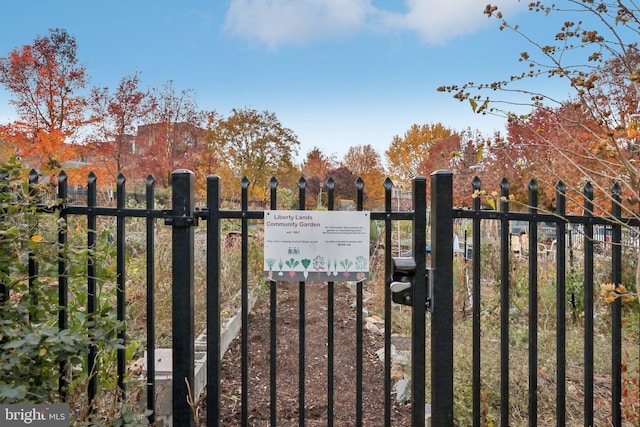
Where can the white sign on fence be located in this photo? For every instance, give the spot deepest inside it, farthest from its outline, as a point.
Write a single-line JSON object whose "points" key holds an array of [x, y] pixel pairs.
{"points": [[316, 246]]}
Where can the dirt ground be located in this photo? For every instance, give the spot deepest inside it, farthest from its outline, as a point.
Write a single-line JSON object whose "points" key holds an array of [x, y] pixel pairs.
{"points": [[316, 364]]}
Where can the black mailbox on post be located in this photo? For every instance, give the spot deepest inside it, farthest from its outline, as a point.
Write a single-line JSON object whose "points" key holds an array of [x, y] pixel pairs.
{"points": [[402, 276]]}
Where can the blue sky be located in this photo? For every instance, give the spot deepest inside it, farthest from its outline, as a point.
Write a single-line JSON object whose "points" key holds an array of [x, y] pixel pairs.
{"points": [[339, 73]]}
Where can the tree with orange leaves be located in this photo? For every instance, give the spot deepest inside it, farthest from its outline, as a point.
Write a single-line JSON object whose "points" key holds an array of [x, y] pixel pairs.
{"points": [[364, 161], [44, 79], [317, 164], [8, 143], [255, 145], [405, 153], [589, 138], [541, 147]]}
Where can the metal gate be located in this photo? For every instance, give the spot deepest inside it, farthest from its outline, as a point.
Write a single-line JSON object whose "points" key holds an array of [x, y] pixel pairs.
{"points": [[436, 299]]}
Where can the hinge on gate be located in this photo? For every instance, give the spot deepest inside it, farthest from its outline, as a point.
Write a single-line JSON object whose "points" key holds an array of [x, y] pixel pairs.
{"points": [[179, 221], [202, 213]]}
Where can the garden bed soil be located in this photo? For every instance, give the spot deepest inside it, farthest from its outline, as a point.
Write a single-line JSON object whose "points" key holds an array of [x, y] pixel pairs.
{"points": [[316, 364]]}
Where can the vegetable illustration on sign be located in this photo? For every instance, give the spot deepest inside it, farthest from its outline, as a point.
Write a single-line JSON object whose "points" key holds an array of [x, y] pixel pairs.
{"points": [[270, 263], [318, 263], [305, 263], [292, 264], [346, 264]]}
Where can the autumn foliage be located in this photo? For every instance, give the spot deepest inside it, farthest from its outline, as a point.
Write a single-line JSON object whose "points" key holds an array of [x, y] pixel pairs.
{"points": [[44, 79], [138, 130]]}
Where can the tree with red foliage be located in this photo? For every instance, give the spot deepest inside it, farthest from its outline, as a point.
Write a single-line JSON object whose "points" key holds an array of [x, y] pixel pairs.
{"points": [[541, 147], [317, 164], [115, 117], [588, 137], [44, 79], [345, 186], [174, 136], [460, 153], [314, 169]]}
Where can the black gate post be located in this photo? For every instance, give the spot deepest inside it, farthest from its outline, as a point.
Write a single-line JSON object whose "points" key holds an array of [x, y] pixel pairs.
{"points": [[182, 219], [442, 303], [418, 318]]}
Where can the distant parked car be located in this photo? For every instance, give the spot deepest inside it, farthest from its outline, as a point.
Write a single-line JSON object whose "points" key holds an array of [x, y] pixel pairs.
{"points": [[547, 232], [518, 227]]}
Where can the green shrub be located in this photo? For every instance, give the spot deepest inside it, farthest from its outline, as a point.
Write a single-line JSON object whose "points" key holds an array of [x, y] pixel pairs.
{"points": [[32, 345]]}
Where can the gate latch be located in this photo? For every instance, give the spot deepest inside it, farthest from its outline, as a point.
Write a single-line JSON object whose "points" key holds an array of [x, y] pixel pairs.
{"points": [[402, 279]]}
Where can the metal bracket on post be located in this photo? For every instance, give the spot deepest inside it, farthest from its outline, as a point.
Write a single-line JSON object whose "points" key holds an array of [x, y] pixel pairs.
{"points": [[430, 281]]}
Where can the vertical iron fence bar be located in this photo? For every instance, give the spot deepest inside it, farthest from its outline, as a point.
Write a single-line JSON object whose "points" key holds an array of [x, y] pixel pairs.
{"points": [[331, 186], [561, 297], [151, 280], [419, 298], [244, 300], [588, 306], [273, 331], [33, 263], [388, 187], [505, 259], [213, 301], [533, 306], [476, 358], [92, 365], [616, 310], [302, 183], [63, 299], [121, 279], [442, 302], [359, 338], [182, 293]]}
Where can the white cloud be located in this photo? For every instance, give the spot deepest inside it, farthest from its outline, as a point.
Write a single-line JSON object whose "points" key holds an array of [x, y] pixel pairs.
{"points": [[439, 20], [277, 22]]}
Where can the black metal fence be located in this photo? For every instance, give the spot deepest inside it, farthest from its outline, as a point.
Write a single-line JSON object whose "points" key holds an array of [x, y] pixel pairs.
{"points": [[91, 211], [432, 285], [573, 235]]}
